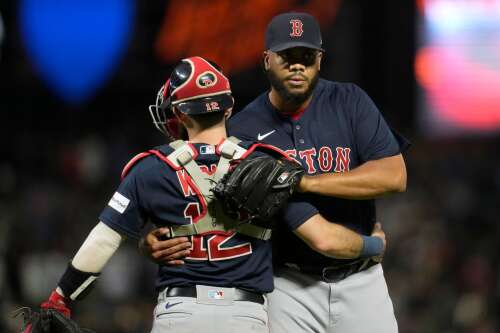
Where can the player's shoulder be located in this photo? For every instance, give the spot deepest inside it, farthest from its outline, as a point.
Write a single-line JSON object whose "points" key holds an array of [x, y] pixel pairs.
{"points": [[245, 144], [147, 163], [345, 98], [339, 91], [241, 146], [250, 111]]}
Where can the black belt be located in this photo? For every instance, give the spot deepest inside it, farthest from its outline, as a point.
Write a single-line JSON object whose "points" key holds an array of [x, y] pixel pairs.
{"points": [[239, 294], [335, 273]]}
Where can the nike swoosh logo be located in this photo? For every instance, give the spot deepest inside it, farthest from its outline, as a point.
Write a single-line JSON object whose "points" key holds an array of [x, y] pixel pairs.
{"points": [[169, 305], [263, 136]]}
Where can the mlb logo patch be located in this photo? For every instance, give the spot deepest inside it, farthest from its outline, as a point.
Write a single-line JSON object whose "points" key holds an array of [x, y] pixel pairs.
{"points": [[284, 176], [208, 149], [216, 294]]}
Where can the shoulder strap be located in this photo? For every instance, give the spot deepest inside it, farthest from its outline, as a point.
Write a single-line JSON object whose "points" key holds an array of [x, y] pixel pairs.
{"points": [[229, 150], [183, 156]]}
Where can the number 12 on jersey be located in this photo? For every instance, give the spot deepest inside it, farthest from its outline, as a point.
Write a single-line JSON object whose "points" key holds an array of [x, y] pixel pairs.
{"points": [[213, 247]]}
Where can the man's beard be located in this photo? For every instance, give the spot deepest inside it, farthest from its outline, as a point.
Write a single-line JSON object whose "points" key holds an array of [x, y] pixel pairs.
{"points": [[289, 97]]}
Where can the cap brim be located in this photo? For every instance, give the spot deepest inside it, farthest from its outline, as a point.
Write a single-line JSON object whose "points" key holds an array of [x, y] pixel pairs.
{"points": [[289, 45]]}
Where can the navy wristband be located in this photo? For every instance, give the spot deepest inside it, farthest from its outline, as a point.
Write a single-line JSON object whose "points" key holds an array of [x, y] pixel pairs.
{"points": [[372, 246], [76, 284]]}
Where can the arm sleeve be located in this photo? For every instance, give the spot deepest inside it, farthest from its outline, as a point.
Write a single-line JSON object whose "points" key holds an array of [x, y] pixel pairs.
{"points": [[101, 243], [124, 212], [373, 136], [297, 211]]}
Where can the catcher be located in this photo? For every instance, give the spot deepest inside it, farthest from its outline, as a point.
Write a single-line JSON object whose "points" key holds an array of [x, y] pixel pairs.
{"points": [[220, 192]]}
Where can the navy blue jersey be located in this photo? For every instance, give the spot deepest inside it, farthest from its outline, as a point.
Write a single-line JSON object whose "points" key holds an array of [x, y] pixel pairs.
{"points": [[339, 130], [153, 191]]}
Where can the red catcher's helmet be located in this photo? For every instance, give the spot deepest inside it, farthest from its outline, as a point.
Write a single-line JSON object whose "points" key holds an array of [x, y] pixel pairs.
{"points": [[196, 86]]}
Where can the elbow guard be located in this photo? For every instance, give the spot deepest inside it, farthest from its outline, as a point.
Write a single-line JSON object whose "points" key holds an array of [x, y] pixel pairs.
{"points": [[76, 284]]}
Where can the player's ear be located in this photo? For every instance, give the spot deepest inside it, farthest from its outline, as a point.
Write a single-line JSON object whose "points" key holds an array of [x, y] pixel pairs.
{"points": [[320, 56], [228, 112], [176, 112], [265, 60], [179, 115]]}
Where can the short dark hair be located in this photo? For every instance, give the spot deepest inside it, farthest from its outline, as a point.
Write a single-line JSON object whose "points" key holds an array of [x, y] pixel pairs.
{"points": [[206, 120]]}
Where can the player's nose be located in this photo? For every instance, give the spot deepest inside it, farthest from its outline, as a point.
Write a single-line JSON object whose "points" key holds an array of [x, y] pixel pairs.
{"points": [[297, 67]]}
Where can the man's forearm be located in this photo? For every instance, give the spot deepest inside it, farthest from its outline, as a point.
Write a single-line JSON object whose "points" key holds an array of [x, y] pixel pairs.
{"points": [[336, 241], [329, 239], [370, 180], [101, 243]]}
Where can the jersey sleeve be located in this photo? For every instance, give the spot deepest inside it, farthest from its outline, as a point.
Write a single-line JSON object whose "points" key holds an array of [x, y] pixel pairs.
{"points": [[124, 212], [373, 137], [297, 211]]}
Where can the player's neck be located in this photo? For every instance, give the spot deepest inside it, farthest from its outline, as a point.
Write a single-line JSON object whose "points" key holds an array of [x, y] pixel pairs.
{"points": [[286, 107], [211, 135]]}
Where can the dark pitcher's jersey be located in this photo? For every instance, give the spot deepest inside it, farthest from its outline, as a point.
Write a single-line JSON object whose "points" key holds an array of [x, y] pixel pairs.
{"points": [[339, 130], [153, 191]]}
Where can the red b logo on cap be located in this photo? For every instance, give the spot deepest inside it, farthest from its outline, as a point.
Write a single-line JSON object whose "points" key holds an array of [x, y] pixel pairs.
{"points": [[296, 28]]}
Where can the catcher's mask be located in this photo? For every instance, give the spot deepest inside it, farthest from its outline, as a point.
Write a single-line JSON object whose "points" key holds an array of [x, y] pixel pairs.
{"points": [[196, 86]]}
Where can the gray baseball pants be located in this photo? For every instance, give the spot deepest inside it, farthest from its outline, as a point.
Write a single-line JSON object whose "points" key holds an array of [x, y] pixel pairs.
{"points": [[358, 304], [208, 314]]}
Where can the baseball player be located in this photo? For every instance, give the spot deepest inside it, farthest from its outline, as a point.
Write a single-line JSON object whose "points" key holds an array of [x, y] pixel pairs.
{"points": [[228, 268], [349, 153]]}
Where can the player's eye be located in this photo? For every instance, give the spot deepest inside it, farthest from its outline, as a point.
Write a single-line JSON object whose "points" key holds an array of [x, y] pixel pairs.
{"points": [[304, 57], [309, 58]]}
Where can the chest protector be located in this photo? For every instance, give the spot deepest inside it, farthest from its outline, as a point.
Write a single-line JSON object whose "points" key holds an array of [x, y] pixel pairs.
{"points": [[213, 218]]}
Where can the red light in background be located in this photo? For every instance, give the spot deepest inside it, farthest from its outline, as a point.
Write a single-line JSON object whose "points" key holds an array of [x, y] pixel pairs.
{"points": [[231, 33], [458, 65], [460, 91]]}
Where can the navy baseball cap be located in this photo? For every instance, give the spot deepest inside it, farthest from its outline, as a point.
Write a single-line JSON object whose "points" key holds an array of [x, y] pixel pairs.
{"points": [[293, 30]]}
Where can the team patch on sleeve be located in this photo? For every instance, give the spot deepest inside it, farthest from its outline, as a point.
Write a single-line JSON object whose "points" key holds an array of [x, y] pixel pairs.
{"points": [[119, 202]]}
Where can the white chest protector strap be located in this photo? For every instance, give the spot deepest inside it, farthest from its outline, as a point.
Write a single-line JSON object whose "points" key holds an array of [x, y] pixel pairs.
{"points": [[183, 156], [215, 218], [229, 151]]}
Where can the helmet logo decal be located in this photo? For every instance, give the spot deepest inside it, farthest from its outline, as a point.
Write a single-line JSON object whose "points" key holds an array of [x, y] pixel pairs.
{"points": [[296, 28], [206, 79]]}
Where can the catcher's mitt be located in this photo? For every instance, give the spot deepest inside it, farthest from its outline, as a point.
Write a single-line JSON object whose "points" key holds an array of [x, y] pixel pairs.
{"points": [[259, 186], [48, 321]]}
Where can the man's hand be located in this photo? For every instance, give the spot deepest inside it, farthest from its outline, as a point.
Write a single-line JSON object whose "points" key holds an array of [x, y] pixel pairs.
{"points": [[378, 232], [53, 316], [164, 251], [57, 302]]}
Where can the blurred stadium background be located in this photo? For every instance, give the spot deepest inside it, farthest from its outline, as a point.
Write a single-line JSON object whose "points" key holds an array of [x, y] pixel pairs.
{"points": [[76, 78]]}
